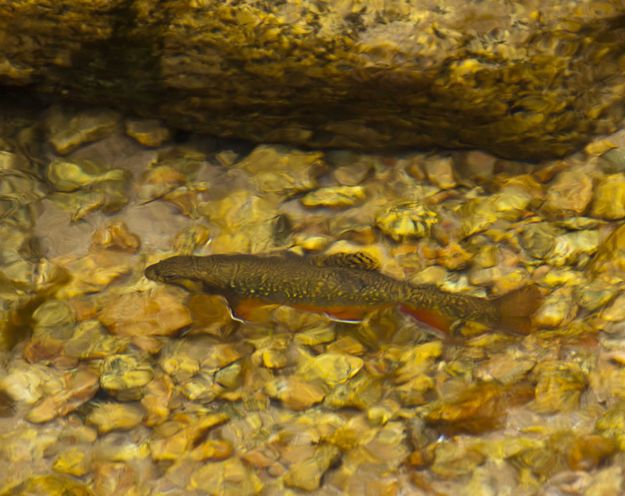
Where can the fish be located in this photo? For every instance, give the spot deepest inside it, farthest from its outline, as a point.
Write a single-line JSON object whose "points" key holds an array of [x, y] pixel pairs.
{"points": [[345, 286]]}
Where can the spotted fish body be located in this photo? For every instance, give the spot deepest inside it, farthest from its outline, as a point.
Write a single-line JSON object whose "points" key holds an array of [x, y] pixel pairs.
{"points": [[346, 286]]}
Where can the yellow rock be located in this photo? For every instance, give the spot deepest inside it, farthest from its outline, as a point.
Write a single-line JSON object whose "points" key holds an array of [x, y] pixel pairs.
{"points": [[73, 461], [440, 171], [334, 196], [78, 387], [48, 485], [115, 235], [125, 375], [454, 256], [332, 368], [245, 219], [306, 474], [148, 132], [92, 273], [227, 478], [115, 416], [417, 360], [283, 170], [599, 147], [557, 310], [407, 220], [188, 240], [612, 424], [559, 387], [295, 393], [348, 345], [475, 409], [570, 193], [610, 257], [69, 176], [609, 197], [273, 359], [508, 204], [175, 439], [70, 129], [363, 391], [157, 313], [616, 311], [213, 449], [453, 460], [90, 340], [315, 336]]}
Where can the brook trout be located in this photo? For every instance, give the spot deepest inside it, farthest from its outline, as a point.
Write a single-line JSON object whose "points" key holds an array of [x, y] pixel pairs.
{"points": [[345, 286]]}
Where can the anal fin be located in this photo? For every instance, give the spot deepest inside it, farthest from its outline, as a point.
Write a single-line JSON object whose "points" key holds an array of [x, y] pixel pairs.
{"points": [[431, 318]]}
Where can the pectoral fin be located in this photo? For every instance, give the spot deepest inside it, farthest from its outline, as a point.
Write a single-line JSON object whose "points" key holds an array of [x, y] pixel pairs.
{"points": [[250, 309]]}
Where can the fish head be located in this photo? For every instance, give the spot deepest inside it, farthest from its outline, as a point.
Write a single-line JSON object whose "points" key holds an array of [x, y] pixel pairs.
{"points": [[179, 271]]}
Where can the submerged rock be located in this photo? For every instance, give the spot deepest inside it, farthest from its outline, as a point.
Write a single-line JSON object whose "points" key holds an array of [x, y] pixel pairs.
{"points": [[481, 75], [407, 220], [159, 313]]}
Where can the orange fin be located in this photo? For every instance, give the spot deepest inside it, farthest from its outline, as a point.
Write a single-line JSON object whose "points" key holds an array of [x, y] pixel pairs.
{"points": [[249, 309], [515, 309], [431, 318], [345, 314]]}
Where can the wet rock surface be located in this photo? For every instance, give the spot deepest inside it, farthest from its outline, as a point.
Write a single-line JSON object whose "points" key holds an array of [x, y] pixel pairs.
{"points": [[111, 383], [501, 76]]}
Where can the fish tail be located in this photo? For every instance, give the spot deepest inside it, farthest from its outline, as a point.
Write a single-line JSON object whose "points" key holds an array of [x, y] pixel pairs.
{"points": [[515, 309]]}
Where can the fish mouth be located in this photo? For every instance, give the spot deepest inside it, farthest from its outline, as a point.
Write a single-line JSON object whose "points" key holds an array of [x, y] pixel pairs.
{"points": [[151, 272]]}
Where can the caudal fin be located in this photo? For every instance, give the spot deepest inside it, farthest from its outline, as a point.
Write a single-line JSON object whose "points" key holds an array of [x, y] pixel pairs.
{"points": [[515, 309]]}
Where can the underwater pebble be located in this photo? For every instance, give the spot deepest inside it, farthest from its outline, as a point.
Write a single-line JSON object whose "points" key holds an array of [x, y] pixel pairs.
{"points": [[283, 170], [228, 478], [115, 235], [406, 220], [475, 163], [612, 424], [67, 130], [610, 255], [49, 485], [124, 376], [332, 368], [115, 416], [440, 171], [157, 313], [352, 174], [79, 387], [73, 461], [334, 196], [570, 192], [295, 393], [362, 391], [67, 176], [306, 474], [147, 132], [559, 386], [557, 309], [508, 204], [616, 311], [609, 197]]}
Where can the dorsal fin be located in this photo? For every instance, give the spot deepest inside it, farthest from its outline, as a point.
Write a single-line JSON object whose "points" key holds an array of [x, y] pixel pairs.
{"points": [[357, 260]]}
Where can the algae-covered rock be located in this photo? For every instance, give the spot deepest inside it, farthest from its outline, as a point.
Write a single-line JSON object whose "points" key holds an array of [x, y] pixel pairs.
{"points": [[502, 76]]}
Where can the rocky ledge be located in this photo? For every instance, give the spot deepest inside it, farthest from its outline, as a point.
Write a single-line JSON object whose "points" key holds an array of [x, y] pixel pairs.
{"points": [[525, 80]]}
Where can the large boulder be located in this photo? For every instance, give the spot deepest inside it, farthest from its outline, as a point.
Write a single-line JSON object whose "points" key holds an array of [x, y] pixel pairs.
{"points": [[527, 79]]}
